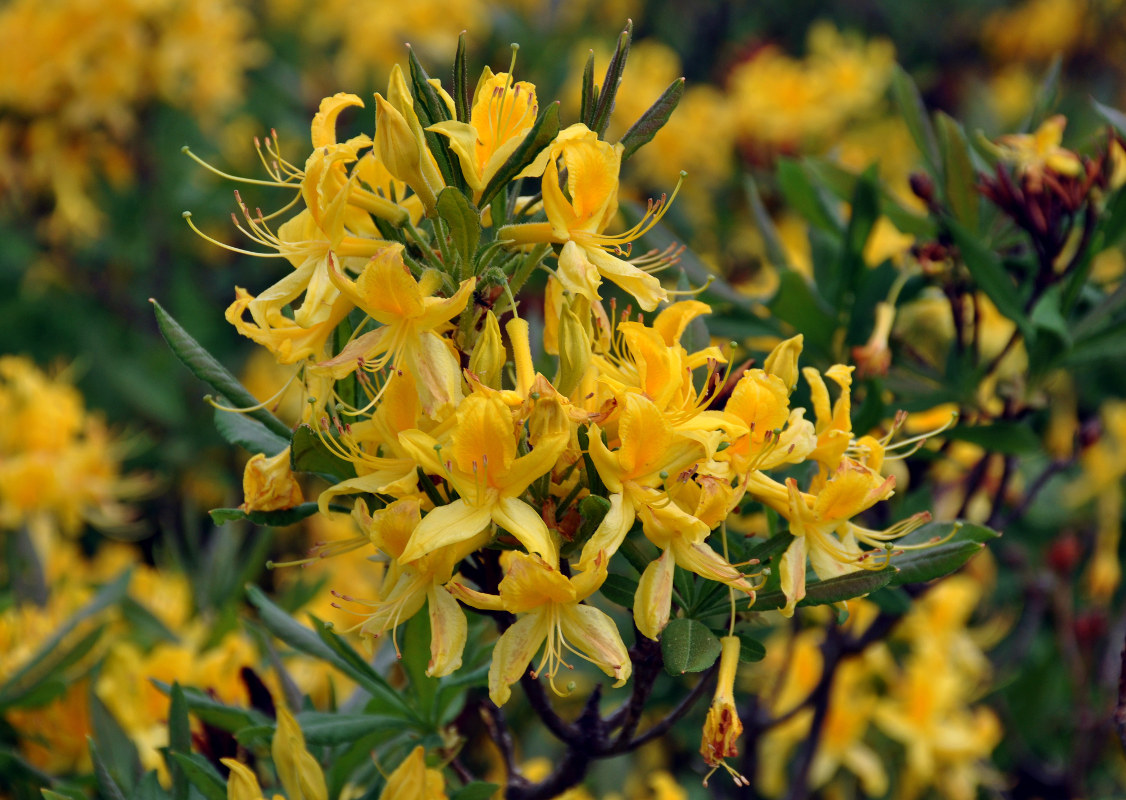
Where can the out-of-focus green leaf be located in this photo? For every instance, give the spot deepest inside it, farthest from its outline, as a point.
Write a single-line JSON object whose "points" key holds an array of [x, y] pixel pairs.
{"points": [[989, 274], [1108, 343], [834, 590], [843, 184], [540, 136], [642, 132], [476, 790], [688, 646], [326, 729], [750, 648], [805, 197], [107, 786], [1047, 316], [212, 711], [116, 748], [202, 775], [796, 304], [619, 589], [179, 740], [959, 177], [1112, 115], [865, 210], [914, 114], [149, 788], [775, 545], [772, 241], [1046, 95], [463, 221], [205, 367]]}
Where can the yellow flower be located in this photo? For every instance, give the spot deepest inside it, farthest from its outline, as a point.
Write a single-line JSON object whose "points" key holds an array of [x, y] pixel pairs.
{"points": [[553, 615], [413, 780], [577, 219], [479, 459], [503, 112], [722, 727], [410, 317], [299, 772], [268, 484], [1034, 154]]}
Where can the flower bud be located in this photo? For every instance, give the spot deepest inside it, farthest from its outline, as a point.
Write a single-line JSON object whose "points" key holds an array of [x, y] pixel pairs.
{"points": [[519, 338], [723, 727], [268, 484], [487, 359], [242, 783], [574, 347], [783, 361], [299, 772], [401, 151], [411, 780]]}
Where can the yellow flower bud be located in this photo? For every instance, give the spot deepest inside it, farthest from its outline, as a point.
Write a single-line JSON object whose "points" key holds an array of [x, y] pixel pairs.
{"points": [[487, 359], [299, 772], [268, 484], [723, 727], [783, 361], [520, 340], [574, 346], [401, 151], [242, 784], [411, 780]]}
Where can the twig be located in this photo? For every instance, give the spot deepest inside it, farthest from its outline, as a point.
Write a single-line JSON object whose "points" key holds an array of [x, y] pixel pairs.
{"points": [[673, 716]]}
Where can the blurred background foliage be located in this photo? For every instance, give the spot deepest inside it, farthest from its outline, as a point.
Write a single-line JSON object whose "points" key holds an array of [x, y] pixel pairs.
{"points": [[791, 110]]}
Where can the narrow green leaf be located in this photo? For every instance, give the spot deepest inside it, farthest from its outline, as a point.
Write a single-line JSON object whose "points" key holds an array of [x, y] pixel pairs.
{"points": [[959, 177], [1046, 95], [202, 775], [540, 136], [642, 132], [589, 92], [989, 274], [107, 786], [842, 184], [116, 748], [834, 590], [464, 223], [770, 236], [796, 303], [1047, 315], [52, 656], [317, 644], [775, 545], [415, 645], [688, 646], [1108, 343], [914, 114], [276, 519], [204, 366], [149, 788], [432, 109], [248, 433], [892, 600], [750, 648], [619, 589], [612, 81], [179, 740], [309, 454], [805, 197], [326, 729], [862, 218], [1113, 116], [212, 711], [919, 566], [461, 81]]}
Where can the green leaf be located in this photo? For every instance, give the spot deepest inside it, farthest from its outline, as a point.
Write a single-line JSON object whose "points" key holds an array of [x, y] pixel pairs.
{"points": [[278, 519], [589, 91], [117, 751], [834, 590], [611, 82], [179, 740], [1112, 115], [892, 600], [415, 639], [918, 566], [772, 241], [464, 223], [1046, 95], [461, 81], [1108, 343], [202, 775], [309, 454], [326, 646], [619, 589], [842, 183], [805, 197], [1010, 438], [688, 646], [248, 433], [750, 648], [1047, 315], [642, 132], [865, 210], [53, 657], [540, 136], [204, 366], [212, 711], [149, 788], [960, 179], [914, 114], [107, 786], [326, 729], [432, 109], [989, 274], [475, 790], [796, 303], [775, 545]]}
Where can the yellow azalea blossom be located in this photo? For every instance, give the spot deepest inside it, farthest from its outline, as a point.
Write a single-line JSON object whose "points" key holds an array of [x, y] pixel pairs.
{"points": [[478, 458], [242, 783], [1033, 154], [409, 316], [775, 434], [834, 423], [268, 484], [577, 219], [413, 780], [503, 112], [407, 586], [851, 490], [552, 614]]}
